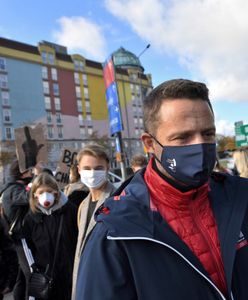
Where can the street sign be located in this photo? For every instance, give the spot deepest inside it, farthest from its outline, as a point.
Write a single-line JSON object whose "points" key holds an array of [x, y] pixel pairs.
{"points": [[241, 135]]}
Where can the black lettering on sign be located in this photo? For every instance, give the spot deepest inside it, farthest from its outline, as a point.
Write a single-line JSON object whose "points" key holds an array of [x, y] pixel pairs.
{"points": [[62, 177], [69, 157], [65, 178], [58, 176]]}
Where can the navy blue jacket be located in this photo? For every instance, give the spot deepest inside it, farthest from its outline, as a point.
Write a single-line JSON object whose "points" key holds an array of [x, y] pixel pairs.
{"points": [[134, 254]]}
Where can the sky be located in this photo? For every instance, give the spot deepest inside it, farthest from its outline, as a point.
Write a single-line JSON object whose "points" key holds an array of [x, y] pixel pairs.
{"points": [[204, 40]]}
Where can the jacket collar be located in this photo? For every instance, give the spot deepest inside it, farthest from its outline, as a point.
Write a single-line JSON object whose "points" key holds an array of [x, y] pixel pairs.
{"points": [[163, 193], [227, 201]]}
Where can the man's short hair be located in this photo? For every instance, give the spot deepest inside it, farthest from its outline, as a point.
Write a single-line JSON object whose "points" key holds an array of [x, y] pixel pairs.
{"points": [[138, 160], [94, 150], [172, 89]]}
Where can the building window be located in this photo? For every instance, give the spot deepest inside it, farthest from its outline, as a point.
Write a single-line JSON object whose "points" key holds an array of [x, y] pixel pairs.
{"points": [[136, 131], [8, 133], [78, 92], [44, 73], [82, 132], [133, 76], [79, 106], [87, 104], [3, 81], [137, 143], [140, 110], [54, 74], [79, 65], [76, 78], [85, 80], [51, 58], [86, 92], [60, 132], [6, 115], [58, 118], [80, 120], [133, 97], [90, 130], [50, 132], [141, 121], [5, 98], [47, 102], [88, 117], [46, 87], [2, 64], [44, 57], [49, 117], [55, 89], [135, 120], [57, 103], [134, 109]]}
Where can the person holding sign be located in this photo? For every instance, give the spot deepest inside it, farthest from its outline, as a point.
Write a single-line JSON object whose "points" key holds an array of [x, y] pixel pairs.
{"points": [[93, 166]]}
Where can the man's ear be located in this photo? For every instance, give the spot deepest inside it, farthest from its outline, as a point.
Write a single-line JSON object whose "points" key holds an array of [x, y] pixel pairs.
{"points": [[148, 142]]}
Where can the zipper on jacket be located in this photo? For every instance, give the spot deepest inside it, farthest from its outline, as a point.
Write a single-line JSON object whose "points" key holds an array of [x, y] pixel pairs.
{"points": [[210, 243], [176, 251]]}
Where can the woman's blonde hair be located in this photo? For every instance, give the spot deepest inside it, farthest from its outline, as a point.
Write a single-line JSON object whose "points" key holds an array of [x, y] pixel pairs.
{"points": [[42, 179], [241, 162]]}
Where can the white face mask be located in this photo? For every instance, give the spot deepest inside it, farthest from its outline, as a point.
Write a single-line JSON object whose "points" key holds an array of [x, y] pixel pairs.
{"points": [[46, 200], [93, 178]]}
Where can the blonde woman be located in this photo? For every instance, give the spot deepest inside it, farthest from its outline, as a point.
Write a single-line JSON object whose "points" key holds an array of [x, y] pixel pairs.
{"points": [[76, 191], [241, 162], [41, 230]]}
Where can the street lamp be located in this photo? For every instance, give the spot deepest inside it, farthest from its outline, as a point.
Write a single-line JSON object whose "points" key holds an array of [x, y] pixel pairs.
{"points": [[148, 46], [140, 81]]}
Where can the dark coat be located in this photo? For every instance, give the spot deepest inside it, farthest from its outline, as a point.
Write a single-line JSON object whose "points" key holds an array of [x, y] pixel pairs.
{"points": [[8, 260], [14, 197], [134, 254], [40, 232]]}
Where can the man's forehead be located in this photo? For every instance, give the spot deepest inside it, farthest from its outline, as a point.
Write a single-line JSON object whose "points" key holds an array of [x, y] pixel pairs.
{"points": [[177, 107]]}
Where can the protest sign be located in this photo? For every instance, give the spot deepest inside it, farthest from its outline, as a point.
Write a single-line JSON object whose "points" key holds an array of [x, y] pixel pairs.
{"points": [[31, 146], [67, 159]]}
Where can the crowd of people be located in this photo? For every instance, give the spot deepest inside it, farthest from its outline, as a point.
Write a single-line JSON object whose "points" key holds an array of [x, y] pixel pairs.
{"points": [[177, 229]]}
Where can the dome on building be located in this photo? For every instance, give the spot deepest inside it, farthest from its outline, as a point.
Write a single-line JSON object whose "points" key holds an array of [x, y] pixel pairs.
{"points": [[125, 59]]}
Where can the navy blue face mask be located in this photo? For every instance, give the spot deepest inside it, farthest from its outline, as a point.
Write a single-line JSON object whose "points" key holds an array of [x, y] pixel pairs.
{"points": [[191, 164]]}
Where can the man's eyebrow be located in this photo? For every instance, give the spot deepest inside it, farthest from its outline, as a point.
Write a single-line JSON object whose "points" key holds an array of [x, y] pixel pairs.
{"points": [[186, 132], [209, 129]]}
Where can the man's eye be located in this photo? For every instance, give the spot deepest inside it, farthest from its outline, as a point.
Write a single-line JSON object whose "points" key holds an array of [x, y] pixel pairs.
{"points": [[183, 137], [210, 134]]}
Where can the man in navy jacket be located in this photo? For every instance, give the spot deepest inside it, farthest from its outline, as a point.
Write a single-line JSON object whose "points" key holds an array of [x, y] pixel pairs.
{"points": [[175, 230]]}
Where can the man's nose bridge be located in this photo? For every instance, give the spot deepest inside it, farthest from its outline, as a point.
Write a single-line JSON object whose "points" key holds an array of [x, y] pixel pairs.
{"points": [[198, 138]]}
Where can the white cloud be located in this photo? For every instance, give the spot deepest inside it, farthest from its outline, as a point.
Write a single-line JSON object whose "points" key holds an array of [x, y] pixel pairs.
{"points": [[82, 36], [224, 127], [209, 37]]}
